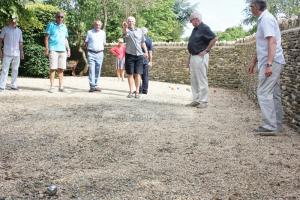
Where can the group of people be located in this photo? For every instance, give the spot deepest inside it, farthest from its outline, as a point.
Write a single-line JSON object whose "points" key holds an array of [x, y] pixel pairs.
{"points": [[136, 57], [269, 60], [57, 49]]}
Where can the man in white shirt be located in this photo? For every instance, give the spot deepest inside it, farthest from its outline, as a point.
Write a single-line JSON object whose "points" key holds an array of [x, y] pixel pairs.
{"points": [[270, 61], [12, 52], [94, 42]]}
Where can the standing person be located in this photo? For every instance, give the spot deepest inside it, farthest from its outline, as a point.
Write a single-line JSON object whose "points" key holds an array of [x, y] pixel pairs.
{"points": [[94, 42], [200, 43], [57, 48], [270, 61], [135, 44], [12, 38], [147, 63], [119, 51]]}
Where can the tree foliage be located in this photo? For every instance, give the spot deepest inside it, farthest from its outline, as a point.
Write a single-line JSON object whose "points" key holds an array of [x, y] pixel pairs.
{"points": [[164, 18], [232, 33], [13, 8], [287, 8], [183, 9]]}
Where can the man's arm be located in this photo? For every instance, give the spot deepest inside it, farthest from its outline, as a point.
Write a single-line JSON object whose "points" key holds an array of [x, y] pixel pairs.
{"points": [[271, 55], [211, 44], [252, 65], [21, 50], [124, 28], [150, 57], [1, 42], [145, 49], [68, 47], [86, 41], [208, 48], [188, 61], [46, 44]]}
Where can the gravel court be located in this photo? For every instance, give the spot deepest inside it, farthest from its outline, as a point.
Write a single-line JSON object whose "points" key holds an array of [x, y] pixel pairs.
{"points": [[106, 146]]}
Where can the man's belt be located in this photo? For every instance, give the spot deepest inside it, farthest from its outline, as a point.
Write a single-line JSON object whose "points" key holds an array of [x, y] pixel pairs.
{"points": [[94, 51]]}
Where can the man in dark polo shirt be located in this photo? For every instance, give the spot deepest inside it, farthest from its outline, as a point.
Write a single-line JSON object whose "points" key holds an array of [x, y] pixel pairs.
{"points": [[147, 63], [200, 43]]}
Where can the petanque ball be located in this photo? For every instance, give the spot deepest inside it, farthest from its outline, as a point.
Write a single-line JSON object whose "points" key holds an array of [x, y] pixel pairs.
{"points": [[52, 190]]}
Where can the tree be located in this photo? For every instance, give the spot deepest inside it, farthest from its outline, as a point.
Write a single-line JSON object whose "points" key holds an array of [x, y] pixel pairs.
{"points": [[161, 20], [183, 9], [276, 7], [232, 33], [13, 8]]}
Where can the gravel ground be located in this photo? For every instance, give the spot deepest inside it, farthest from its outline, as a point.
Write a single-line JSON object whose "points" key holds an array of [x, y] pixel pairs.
{"points": [[106, 146]]}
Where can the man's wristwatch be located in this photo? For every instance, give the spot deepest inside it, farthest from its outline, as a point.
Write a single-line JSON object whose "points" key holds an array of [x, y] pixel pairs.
{"points": [[269, 65]]}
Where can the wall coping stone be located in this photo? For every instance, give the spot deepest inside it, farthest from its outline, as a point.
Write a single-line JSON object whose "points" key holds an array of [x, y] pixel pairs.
{"points": [[286, 26]]}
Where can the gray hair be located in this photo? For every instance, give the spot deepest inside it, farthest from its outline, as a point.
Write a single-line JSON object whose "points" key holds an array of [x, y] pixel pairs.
{"points": [[195, 15], [131, 18], [261, 4]]}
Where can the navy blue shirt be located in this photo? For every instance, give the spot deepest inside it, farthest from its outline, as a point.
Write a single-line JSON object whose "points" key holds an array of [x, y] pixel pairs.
{"points": [[149, 46], [200, 38]]}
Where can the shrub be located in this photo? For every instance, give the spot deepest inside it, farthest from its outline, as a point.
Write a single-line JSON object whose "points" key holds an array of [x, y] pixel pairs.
{"points": [[35, 63]]}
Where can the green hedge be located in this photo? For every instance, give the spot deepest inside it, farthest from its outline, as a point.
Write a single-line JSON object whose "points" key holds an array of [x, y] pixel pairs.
{"points": [[35, 63]]}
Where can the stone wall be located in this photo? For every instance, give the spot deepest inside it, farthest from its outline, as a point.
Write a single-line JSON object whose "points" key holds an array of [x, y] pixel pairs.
{"points": [[228, 67]]}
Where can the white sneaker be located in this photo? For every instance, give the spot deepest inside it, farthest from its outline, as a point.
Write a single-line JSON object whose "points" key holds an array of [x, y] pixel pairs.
{"points": [[51, 89], [202, 105]]}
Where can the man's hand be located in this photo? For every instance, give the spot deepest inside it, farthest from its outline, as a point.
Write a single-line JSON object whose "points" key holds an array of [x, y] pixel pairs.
{"points": [[146, 55], [268, 71], [125, 25], [149, 65], [251, 68], [69, 53], [22, 55], [202, 53], [188, 64]]}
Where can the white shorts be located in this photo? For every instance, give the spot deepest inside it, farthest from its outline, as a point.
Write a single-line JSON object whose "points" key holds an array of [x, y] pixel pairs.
{"points": [[58, 60]]}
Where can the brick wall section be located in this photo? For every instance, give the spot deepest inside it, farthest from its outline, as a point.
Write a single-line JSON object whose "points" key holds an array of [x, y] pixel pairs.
{"points": [[291, 76], [228, 68]]}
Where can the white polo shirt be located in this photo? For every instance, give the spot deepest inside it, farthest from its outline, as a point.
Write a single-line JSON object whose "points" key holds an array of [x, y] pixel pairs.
{"points": [[96, 40], [12, 38], [267, 26]]}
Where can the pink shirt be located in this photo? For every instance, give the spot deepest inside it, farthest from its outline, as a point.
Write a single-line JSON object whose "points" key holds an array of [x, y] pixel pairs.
{"points": [[119, 52]]}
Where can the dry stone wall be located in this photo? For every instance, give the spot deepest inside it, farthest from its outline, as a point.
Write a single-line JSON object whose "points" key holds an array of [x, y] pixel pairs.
{"points": [[228, 67]]}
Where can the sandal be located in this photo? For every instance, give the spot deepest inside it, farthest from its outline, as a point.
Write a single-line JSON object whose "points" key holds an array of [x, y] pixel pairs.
{"points": [[130, 95], [137, 95]]}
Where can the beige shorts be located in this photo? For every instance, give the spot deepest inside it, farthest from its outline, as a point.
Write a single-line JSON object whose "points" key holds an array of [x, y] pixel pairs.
{"points": [[58, 60]]}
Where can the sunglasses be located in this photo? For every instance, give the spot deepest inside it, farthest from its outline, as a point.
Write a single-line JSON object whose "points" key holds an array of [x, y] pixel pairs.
{"points": [[60, 17]]}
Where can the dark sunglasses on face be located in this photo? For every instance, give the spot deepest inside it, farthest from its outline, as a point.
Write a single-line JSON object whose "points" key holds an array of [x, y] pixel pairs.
{"points": [[60, 17]]}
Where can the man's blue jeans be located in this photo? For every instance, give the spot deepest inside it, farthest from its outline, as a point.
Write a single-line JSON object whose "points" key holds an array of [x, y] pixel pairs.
{"points": [[95, 63]]}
